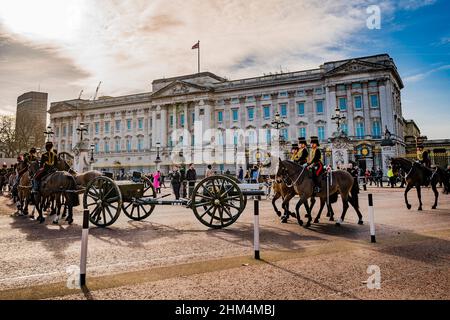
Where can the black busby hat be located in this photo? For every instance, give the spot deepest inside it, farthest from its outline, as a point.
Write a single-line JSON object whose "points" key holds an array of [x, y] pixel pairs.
{"points": [[294, 146], [301, 140], [33, 150], [315, 140]]}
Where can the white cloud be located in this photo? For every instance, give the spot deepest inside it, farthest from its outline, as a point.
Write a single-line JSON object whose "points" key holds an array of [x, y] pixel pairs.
{"points": [[420, 76]]}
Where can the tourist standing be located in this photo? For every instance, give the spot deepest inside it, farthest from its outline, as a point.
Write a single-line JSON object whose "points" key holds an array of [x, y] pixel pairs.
{"points": [[176, 182], [191, 177], [156, 180], [241, 174], [209, 172]]}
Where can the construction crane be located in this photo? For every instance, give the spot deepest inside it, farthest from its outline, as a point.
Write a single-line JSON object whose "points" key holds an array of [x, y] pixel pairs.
{"points": [[81, 92], [96, 91]]}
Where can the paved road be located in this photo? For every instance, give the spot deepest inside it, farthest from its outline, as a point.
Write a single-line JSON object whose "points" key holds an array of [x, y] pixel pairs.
{"points": [[172, 256]]}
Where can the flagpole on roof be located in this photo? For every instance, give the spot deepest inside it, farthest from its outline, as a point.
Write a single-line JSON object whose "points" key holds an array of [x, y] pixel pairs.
{"points": [[198, 56]]}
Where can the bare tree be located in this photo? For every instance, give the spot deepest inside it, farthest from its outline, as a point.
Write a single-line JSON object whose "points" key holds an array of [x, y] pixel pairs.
{"points": [[8, 143]]}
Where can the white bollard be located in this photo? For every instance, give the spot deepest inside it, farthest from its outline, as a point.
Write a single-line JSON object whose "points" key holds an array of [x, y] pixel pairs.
{"points": [[256, 228], [84, 247], [371, 219]]}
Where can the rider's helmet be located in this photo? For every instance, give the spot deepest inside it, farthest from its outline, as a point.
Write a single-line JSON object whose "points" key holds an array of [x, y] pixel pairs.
{"points": [[33, 150]]}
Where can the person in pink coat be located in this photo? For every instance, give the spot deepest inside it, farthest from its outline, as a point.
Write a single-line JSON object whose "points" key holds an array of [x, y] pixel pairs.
{"points": [[156, 181]]}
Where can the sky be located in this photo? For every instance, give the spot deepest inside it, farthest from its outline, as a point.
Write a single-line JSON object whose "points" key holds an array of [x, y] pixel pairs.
{"points": [[63, 47]]}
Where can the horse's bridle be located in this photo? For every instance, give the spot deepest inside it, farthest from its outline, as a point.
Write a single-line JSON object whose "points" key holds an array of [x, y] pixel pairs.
{"points": [[295, 181]]}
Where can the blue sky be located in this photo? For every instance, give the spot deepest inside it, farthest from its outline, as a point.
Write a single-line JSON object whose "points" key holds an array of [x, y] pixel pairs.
{"points": [[419, 41], [63, 47]]}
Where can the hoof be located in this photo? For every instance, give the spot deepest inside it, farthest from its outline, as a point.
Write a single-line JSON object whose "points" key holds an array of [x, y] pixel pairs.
{"points": [[331, 219], [55, 222], [316, 221], [328, 215], [408, 206], [284, 220], [293, 215], [300, 222], [278, 213], [338, 224], [307, 216], [360, 222], [433, 207], [42, 220], [308, 224], [420, 209], [70, 221]]}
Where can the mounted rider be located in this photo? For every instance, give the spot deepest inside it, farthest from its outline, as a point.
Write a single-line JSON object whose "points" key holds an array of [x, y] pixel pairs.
{"points": [[30, 156], [315, 164], [294, 150], [301, 156], [423, 156], [47, 165]]}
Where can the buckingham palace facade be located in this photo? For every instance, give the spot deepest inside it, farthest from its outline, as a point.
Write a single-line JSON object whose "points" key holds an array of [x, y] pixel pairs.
{"points": [[129, 132]]}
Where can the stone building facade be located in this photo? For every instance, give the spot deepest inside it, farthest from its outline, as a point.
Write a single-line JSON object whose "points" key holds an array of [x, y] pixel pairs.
{"points": [[127, 131]]}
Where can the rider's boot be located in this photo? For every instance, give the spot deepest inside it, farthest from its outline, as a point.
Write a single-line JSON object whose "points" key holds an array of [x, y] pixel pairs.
{"points": [[316, 183]]}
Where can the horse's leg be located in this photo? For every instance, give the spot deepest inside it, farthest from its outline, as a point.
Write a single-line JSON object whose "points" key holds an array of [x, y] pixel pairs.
{"points": [[436, 195], [322, 204], [355, 206], [308, 210], [286, 214], [344, 210], [297, 212], [408, 187], [274, 199], [419, 195], [311, 206], [57, 209]]}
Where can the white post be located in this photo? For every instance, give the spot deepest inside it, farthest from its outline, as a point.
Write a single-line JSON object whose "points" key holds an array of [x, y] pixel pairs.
{"points": [[371, 220], [256, 228], [84, 247]]}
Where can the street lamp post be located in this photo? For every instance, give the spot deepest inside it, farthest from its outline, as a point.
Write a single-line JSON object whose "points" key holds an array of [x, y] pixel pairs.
{"points": [[338, 118], [158, 158], [92, 153], [278, 124], [81, 129], [49, 133]]}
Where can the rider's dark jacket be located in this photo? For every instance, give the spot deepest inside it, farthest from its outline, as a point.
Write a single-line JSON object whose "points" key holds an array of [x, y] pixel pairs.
{"points": [[28, 158], [426, 161], [48, 160], [316, 157], [301, 157]]}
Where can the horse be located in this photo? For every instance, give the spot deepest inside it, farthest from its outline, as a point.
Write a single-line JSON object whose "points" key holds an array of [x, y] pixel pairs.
{"points": [[24, 192], [417, 176], [55, 183], [301, 180]]}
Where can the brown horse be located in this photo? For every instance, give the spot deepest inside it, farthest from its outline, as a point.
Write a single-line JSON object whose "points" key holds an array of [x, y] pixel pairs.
{"points": [[55, 184], [281, 190], [301, 180], [24, 192]]}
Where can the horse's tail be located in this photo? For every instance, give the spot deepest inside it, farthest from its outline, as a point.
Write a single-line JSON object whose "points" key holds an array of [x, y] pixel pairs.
{"points": [[354, 193], [73, 196]]}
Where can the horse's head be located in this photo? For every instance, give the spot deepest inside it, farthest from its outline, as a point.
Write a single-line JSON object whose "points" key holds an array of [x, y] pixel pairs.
{"points": [[33, 167], [62, 165]]}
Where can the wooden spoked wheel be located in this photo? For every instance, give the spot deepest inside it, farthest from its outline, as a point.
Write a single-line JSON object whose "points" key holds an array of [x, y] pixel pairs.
{"points": [[135, 209], [217, 202], [104, 201]]}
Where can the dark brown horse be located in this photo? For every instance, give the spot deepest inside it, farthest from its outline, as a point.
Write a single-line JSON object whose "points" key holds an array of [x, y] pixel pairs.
{"points": [[301, 179], [55, 185], [420, 176]]}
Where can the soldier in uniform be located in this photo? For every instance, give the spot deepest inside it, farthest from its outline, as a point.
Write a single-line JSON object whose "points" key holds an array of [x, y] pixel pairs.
{"points": [[294, 150], [31, 156], [315, 164], [47, 164], [302, 152], [424, 157]]}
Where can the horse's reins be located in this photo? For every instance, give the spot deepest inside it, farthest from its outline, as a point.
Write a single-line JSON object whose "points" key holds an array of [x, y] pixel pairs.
{"points": [[294, 182]]}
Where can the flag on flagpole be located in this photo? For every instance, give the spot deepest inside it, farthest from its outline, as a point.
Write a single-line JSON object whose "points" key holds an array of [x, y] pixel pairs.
{"points": [[196, 46]]}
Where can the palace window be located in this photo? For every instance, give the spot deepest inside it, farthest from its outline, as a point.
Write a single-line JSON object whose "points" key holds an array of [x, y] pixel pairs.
{"points": [[374, 101], [106, 146], [376, 129], [96, 147], [300, 93], [235, 100], [283, 110], [302, 132], [250, 99], [319, 106], [356, 85], [128, 145], [182, 120], [140, 144], [57, 132], [171, 121], [117, 145], [117, 125], [318, 90], [266, 110], [193, 117], [344, 128], [301, 108], [235, 115], [268, 136], [107, 127], [220, 116], [343, 104], [71, 129], [283, 94], [360, 129], [64, 130], [63, 147], [358, 102], [341, 87], [251, 137], [373, 83], [140, 124], [321, 133], [284, 134], [97, 127], [251, 113], [266, 97], [129, 124]]}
